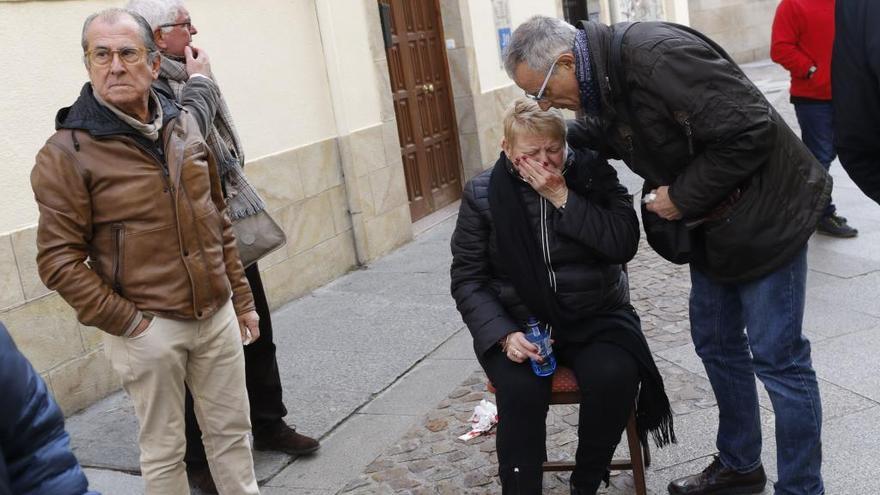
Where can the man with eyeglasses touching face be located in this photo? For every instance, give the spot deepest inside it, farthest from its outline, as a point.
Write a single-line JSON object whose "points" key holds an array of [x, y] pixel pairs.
{"points": [[717, 157], [173, 30], [134, 235]]}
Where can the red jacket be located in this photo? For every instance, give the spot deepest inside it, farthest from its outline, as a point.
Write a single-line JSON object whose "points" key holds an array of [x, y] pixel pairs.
{"points": [[803, 35]]}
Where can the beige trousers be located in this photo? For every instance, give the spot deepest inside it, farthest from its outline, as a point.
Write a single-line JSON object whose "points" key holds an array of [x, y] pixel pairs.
{"points": [[206, 355]]}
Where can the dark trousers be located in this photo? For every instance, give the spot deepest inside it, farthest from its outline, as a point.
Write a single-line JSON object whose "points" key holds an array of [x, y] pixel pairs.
{"points": [[261, 376], [817, 132], [608, 379]]}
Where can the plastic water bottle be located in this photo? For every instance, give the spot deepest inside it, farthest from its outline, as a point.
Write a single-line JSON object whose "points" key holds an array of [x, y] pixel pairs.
{"points": [[540, 338]]}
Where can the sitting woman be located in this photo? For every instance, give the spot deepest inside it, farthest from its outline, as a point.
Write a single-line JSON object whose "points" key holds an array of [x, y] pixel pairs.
{"points": [[544, 234]]}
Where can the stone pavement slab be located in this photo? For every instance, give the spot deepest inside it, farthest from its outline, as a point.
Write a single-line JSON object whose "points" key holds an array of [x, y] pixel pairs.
{"points": [[343, 455], [851, 361], [111, 482]]}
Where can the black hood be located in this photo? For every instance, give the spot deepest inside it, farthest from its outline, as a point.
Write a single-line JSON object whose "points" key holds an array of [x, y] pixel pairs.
{"points": [[89, 115]]}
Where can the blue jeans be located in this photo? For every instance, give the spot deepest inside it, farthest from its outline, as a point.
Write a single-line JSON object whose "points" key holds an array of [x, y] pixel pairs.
{"points": [[772, 347], [817, 132]]}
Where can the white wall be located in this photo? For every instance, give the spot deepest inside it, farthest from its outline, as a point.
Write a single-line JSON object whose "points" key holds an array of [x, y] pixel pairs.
{"points": [[350, 63], [41, 70], [482, 21], [268, 57]]}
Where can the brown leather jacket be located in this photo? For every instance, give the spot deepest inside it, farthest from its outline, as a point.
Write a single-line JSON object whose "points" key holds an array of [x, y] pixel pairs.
{"points": [[128, 225]]}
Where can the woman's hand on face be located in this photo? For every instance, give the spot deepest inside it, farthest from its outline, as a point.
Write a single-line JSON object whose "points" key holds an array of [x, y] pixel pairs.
{"points": [[544, 179], [519, 349]]}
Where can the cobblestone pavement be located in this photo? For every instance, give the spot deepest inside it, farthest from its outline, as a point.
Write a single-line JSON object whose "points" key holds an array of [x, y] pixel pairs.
{"points": [[430, 459]]}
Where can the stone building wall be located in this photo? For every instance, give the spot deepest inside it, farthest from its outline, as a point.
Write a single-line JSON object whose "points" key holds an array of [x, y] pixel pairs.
{"points": [[742, 27]]}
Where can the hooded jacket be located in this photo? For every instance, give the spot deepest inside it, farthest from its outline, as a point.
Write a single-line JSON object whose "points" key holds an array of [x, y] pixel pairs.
{"points": [[128, 225]]}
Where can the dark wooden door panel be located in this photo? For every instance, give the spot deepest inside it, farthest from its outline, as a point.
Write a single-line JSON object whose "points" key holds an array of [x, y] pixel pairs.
{"points": [[423, 105]]}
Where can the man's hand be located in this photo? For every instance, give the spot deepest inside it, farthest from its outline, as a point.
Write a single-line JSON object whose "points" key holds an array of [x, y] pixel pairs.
{"points": [[544, 179], [249, 324], [662, 205], [197, 61]]}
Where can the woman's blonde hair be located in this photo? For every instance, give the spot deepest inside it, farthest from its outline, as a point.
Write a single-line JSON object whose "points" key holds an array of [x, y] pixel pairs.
{"points": [[525, 116]]}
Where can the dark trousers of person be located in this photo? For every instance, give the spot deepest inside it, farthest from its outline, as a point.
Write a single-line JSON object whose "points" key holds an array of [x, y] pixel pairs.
{"points": [[608, 379], [261, 376], [817, 132]]}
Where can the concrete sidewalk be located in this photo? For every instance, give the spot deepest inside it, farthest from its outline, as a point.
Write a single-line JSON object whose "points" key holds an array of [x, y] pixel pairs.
{"points": [[378, 365]]}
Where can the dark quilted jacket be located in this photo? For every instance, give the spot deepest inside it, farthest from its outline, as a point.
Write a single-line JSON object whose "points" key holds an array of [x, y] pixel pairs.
{"points": [[707, 132], [587, 244], [35, 456]]}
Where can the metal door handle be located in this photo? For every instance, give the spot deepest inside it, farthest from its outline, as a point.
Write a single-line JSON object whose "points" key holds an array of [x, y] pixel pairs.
{"points": [[428, 88], [431, 87]]}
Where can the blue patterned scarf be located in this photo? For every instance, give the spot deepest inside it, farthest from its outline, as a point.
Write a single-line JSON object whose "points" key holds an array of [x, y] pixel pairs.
{"points": [[589, 87]]}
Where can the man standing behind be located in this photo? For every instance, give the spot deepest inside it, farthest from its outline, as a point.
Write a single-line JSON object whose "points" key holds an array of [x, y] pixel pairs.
{"points": [[133, 234], [685, 118], [803, 35], [173, 30]]}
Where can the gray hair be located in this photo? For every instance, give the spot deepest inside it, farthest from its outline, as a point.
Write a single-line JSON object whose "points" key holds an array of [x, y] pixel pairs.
{"points": [[538, 42], [157, 12], [112, 16]]}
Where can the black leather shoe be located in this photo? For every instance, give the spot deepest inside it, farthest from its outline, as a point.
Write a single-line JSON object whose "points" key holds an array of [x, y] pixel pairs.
{"points": [[719, 480], [282, 438]]}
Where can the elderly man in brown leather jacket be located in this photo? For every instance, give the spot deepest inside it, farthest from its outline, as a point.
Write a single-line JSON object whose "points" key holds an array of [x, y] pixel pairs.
{"points": [[134, 236]]}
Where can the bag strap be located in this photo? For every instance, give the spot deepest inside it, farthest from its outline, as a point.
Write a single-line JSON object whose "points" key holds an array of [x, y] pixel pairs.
{"points": [[619, 83]]}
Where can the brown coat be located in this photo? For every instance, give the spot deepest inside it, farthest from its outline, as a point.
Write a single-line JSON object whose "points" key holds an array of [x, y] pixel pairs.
{"points": [[124, 230]]}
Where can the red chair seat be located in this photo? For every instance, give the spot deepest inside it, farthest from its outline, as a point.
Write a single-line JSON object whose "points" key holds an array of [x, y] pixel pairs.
{"points": [[564, 381]]}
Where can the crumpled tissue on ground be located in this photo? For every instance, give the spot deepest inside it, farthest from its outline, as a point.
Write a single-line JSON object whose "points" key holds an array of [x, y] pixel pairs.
{"points": [[485, 418]]}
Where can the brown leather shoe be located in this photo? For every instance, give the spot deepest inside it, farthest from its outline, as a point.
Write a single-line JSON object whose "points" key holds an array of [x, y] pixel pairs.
{"points": [[200, 477], [719, 480], [283, 438]]}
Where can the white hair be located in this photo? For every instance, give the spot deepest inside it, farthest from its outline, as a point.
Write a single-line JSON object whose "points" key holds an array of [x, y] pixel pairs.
{"points": [[157, 12], [538, 42]]}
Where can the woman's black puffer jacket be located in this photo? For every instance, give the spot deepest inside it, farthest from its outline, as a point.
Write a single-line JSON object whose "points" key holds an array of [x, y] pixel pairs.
{"points": [[584, 246]]}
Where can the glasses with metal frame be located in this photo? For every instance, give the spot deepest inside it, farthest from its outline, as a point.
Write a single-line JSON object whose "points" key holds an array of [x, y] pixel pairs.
{"points": [[104, 56], [187, 25], [540, 95]]}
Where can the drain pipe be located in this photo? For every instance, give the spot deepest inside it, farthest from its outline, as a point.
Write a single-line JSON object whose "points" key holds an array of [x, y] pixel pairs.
{"points": [[326, 28]]}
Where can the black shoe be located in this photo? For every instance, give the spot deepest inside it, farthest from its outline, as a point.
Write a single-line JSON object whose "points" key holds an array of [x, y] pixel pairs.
{"points": [[200, 477], [283, 438], [719, 480], [835, 226]]}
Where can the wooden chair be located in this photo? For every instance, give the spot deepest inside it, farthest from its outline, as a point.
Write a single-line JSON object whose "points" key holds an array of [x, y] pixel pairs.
{"points": [[565, 391]]}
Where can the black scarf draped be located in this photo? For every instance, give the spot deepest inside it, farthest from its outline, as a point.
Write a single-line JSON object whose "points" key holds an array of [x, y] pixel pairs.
{"points": [[521, 256]]}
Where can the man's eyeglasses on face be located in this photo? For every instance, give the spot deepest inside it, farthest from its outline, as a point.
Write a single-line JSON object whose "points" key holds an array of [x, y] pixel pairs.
{"points": [[186, 25], [540, 95], [104, 56]]}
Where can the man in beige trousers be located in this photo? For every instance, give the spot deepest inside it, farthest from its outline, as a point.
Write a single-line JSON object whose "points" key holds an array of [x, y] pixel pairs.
{"points": [[133, 234]]}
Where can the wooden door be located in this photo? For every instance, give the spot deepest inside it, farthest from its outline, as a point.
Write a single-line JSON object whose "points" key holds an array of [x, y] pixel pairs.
{"points": [[423, 105]]}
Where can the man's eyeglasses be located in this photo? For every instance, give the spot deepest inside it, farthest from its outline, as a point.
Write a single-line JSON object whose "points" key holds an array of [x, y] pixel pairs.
{"points": [[104, 56], [540, 96], [187, 25]]}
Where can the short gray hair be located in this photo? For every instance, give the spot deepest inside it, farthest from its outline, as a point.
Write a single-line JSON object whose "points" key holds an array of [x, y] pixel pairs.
{"points": [[157, 12], [537, 43], [112, 16]]}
